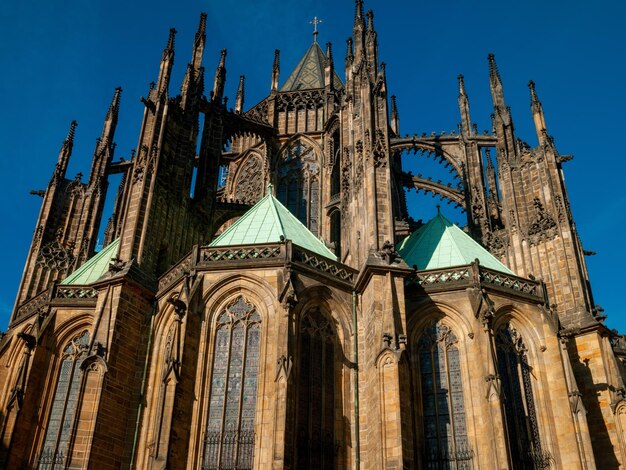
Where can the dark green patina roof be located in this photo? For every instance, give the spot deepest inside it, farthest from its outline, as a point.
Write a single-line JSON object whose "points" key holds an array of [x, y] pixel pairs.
{"points": [[309, 73], [94, 267], [266, 222], [441, 244]]}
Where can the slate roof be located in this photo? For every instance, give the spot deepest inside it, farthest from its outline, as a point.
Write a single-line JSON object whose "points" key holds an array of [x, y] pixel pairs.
{"points": [[266, 222], [309, 73], [441, 244], [94, 267]]}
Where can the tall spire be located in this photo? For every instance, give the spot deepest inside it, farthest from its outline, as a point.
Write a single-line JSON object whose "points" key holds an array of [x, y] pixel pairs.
{"points": [[220, 79], [240, 95], [502, 122], [167, 62], [105, 146], [199, 42], [191, 83], [358, 14], [538, 116], [359, 29], [65, 153], [349, 51], [329, 69], [491, 176], [110, 121], [395, 118], [495, 82], [275, 70], [466, 122], [371, 42]]}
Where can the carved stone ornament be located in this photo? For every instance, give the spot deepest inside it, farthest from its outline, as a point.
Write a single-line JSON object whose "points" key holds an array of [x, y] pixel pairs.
{"points": [[493, 386], [477, 206], [346, 173], [496, 243], [379, 150], [283, 367], [543, 227], [388, 252]]}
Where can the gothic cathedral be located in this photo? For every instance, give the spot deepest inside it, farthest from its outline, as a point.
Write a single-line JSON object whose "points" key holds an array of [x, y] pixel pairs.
{"points": [[263, 299]]}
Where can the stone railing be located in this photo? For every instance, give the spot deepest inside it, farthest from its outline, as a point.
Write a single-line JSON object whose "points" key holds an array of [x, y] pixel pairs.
{"points": [[324, 265], [473, 275], [510, 282], [177, 271], [71, 292], [31, 306], [275, 254], [438, 277], [259, 253]]}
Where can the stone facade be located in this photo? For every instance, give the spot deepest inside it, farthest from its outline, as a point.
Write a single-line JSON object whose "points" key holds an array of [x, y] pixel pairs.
{"points": [[183, 355]]}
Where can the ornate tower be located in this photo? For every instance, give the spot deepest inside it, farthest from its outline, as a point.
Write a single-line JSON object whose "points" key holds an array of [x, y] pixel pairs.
{"points": [[71, 212], [538, 227]]}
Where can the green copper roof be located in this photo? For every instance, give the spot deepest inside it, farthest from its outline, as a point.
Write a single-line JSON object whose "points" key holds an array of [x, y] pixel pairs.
{"points": [[265, 222], [441, 244], [95, 267], [309, 73]]}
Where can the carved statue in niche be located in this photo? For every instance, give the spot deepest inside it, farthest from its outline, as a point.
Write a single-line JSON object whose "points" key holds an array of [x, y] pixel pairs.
{"points": [[249, 184]]}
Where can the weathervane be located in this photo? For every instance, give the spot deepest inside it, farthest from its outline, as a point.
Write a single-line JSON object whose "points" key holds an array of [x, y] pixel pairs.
{"points": [[315, 22]]}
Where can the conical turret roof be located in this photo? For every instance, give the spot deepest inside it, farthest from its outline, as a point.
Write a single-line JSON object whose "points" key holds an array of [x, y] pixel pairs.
{"points": [[441, 244], [309, 73], [266, 222], [95, 267]]}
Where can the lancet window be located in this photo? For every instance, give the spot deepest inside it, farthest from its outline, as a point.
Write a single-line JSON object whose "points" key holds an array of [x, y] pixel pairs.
{"points": [[64, 404], [519, 404], [229, 438], [315, 437], [446, 444], [299, 183]]}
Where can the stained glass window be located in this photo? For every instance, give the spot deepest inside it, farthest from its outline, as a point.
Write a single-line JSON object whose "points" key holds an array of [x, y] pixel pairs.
{"points": [[64, 404], [298, 183], [315, 437], [229, 440], [519, 405], [446, 445]]}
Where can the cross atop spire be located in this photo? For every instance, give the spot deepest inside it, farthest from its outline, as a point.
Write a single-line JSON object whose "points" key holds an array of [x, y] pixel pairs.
{"points": [[315, 22]]}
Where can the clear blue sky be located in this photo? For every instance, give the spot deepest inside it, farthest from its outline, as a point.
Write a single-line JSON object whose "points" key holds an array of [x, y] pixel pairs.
{"points": [[62, 61]]}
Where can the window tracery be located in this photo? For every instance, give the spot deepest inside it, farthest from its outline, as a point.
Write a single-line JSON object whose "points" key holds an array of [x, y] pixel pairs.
{"points": [[229, 439], [316, 446], [249, 185], [299, 183], [519, 404], [64, 404], [446, 441]]}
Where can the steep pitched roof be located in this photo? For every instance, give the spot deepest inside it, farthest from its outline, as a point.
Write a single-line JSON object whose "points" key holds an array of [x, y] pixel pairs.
{"points": [[441, 244], [94, 267], [309, 73], [266, 222]]}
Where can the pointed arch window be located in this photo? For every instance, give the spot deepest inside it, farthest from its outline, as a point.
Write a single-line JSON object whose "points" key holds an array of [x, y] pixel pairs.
{"points": [[64, 404], [229, 439], [249, 184], [298, 183], [519, 404], [315, 416], [446, 443]]}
